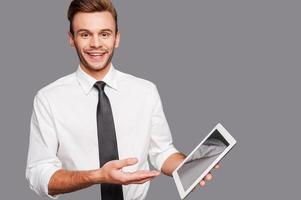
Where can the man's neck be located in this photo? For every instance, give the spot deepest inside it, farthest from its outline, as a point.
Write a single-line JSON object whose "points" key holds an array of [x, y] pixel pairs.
{"points": [[97, 74]]}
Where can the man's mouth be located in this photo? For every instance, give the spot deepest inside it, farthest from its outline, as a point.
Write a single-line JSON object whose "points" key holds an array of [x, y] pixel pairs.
{"points": [[96, 55]]}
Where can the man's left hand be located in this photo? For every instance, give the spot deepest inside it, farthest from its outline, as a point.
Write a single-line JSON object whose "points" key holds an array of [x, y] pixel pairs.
{"points": [[208, 177]]}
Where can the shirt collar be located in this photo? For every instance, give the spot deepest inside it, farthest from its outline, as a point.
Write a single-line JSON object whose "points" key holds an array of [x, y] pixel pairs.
{"points": [[87, 82]]}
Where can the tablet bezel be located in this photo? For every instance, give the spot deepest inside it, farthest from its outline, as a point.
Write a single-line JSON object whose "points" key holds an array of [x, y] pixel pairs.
{"points": [[175, 175]]}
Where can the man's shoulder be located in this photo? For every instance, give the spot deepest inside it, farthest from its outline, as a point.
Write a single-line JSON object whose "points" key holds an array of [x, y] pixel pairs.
{"points": [[60, 84], [129, 80]]}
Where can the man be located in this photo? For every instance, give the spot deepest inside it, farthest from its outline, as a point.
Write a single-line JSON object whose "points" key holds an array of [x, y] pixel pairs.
{"points": [[98, 125]]}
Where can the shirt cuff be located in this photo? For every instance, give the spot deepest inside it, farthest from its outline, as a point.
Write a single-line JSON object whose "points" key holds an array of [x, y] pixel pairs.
{"points": [[39, 183], [164, 155], [46, 180]]}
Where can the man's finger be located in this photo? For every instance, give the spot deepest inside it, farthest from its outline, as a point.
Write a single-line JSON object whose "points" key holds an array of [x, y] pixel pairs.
{"points": [[124, 163], [217, 166], [141, 181], [140, 175], [208, 177], [202, 183]]}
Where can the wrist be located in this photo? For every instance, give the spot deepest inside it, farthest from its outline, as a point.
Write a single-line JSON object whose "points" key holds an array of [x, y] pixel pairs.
{"points": [[96, 176]]}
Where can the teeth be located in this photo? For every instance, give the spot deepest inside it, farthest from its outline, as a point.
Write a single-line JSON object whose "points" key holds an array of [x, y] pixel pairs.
{"points": [[96, 54]]}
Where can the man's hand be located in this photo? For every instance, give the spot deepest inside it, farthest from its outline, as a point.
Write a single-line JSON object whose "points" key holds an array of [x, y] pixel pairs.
{"points": [[112, 172], [174, 160], [208, 177]]}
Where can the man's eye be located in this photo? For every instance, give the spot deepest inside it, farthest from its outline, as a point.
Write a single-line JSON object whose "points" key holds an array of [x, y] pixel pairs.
{"points": [[105, 35], [84, 35]]}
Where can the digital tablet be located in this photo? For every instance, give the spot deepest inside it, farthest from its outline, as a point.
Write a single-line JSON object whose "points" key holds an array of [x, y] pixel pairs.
{"points": [[202, 159]]}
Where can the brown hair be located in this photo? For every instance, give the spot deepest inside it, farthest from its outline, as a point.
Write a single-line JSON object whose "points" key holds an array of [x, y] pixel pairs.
{"points": [[89, 6]]}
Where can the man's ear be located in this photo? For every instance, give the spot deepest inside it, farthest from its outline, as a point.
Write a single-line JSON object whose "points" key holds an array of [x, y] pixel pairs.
{"points": [[117, 39], [71, 39]]}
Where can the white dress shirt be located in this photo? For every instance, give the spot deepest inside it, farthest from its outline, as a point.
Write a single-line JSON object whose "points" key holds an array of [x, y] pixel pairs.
{"points": [[63, 131]]}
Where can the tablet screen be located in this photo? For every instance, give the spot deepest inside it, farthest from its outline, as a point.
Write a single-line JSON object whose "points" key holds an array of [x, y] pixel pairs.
{"points": [[201, 159]]}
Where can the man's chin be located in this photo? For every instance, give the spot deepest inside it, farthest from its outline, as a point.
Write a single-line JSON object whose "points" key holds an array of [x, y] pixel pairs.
{"points": [[98, 67]]}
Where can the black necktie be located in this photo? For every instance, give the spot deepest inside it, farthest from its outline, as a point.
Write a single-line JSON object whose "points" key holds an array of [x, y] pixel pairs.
{"points": [[107, 143]]}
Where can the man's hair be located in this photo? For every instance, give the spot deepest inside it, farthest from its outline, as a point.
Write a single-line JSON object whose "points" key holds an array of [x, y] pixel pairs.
{"points": [[90, 6]]}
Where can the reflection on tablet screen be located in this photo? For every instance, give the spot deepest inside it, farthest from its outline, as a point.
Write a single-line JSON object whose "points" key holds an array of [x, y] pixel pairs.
{"points": [[201, 159]]}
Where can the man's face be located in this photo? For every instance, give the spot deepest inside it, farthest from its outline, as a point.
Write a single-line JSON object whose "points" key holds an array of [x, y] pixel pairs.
{"points": [[94, 39]]}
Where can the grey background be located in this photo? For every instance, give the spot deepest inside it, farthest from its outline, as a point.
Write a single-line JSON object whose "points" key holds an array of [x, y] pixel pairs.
{"points": [[234, 62]]}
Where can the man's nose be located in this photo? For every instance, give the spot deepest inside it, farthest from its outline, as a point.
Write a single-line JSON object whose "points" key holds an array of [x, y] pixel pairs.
{"points": [[95, 42]]}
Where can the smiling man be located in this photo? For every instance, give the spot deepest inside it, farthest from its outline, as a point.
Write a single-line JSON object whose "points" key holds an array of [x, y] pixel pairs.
{"points": [[94, 37], [98, 125]]}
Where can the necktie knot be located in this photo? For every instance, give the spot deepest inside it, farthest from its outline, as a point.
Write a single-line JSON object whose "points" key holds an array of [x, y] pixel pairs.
{"points": [[100, 85]]}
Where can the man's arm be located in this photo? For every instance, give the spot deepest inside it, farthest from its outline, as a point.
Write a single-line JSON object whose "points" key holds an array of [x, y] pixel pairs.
{"points": [[172, 163], [64, 181]]}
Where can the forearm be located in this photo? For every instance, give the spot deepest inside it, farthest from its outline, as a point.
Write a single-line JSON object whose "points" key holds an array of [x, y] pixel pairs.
{"points": [[172, 163], [64, 181]]}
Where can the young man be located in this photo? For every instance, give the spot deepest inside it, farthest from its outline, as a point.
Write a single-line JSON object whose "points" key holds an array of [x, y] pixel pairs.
{"points": [[98, 125]]}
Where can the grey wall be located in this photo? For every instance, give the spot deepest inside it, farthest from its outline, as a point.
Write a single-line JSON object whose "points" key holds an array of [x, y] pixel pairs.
{"points": [[234, 62]]}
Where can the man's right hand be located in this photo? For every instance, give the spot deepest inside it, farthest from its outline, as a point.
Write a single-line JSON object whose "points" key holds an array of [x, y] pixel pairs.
{"points": [[112, 172]]}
